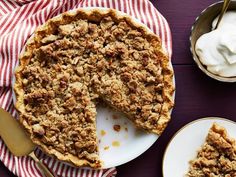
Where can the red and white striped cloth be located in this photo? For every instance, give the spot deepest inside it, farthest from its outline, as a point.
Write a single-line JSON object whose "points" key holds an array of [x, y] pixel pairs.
{"points": [[18, 20]]}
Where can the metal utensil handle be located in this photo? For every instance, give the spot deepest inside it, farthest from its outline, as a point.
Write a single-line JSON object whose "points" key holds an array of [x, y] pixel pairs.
{"points": [[223, 10], [42, 167]]}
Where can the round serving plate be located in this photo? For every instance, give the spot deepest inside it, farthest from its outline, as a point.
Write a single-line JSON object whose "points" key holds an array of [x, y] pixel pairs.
{"points": [[117, 147], [186, 142]]}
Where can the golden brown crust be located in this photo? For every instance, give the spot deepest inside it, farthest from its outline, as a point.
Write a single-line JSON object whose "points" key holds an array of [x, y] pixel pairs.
{"points": [[217, 157], [93, 15]]}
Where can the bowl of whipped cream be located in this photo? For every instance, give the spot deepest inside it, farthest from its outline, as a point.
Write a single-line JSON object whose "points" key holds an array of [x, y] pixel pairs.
{"points": [[214, 50]]}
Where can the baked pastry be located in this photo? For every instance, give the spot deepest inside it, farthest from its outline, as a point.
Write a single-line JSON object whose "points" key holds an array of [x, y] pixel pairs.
{"points": [[79, 58], [217, 157]]}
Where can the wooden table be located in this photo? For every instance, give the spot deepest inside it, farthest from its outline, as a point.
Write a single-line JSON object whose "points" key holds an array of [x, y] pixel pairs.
{"points": [[197, 95]]}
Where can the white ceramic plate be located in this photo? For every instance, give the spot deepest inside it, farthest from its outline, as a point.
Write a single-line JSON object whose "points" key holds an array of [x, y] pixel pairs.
{"points": [[117, 148], [184, 145]]}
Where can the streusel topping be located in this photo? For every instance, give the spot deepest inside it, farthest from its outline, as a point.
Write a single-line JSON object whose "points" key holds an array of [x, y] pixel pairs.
{"points": [[217, 157], [82, 62]]}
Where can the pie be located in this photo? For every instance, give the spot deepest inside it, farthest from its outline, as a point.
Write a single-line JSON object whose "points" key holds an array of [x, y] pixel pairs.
{"points": [[75, 61], [217, 157]]}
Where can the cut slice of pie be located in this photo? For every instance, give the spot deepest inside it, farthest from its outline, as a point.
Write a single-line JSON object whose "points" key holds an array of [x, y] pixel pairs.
{"points": [[79, 58], [217, 157]]}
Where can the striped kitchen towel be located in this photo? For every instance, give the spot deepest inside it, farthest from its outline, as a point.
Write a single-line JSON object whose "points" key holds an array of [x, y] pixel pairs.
{"points": [[18, 20]]}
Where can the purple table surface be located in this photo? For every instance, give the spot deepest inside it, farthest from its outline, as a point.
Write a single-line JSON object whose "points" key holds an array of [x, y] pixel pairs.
{"points": [[197, 95]]}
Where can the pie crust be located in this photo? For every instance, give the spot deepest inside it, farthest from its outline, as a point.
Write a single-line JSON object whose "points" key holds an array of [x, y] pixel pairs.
{"points": [[217, 157], [79, 58]]}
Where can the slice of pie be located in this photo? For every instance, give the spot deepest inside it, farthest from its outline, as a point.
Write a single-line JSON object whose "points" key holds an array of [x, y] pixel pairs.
{"points": [[217, 157], [79, 58]]}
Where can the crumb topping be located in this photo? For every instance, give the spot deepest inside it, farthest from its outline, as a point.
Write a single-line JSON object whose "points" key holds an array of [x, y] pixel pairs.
{"points": [[117, 127], [80, 63], [217, 157]]}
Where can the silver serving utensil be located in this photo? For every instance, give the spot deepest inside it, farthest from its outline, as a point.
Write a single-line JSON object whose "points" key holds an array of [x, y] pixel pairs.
{"points": [[17, 141], [223, 10]]}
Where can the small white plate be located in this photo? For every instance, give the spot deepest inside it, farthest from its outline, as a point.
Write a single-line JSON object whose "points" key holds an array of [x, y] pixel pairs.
{"points": [[186, 142]]}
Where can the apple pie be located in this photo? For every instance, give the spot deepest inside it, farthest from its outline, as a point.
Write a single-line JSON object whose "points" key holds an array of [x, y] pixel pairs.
{"points": [[217, 157], [80, 58]]}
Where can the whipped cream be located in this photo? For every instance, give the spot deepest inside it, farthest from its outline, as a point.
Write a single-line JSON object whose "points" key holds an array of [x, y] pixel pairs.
{"points": [[217, 49]]}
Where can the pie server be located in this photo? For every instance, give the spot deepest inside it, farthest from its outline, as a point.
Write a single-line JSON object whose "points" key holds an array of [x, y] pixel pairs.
{"points": [[17, 141]]}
